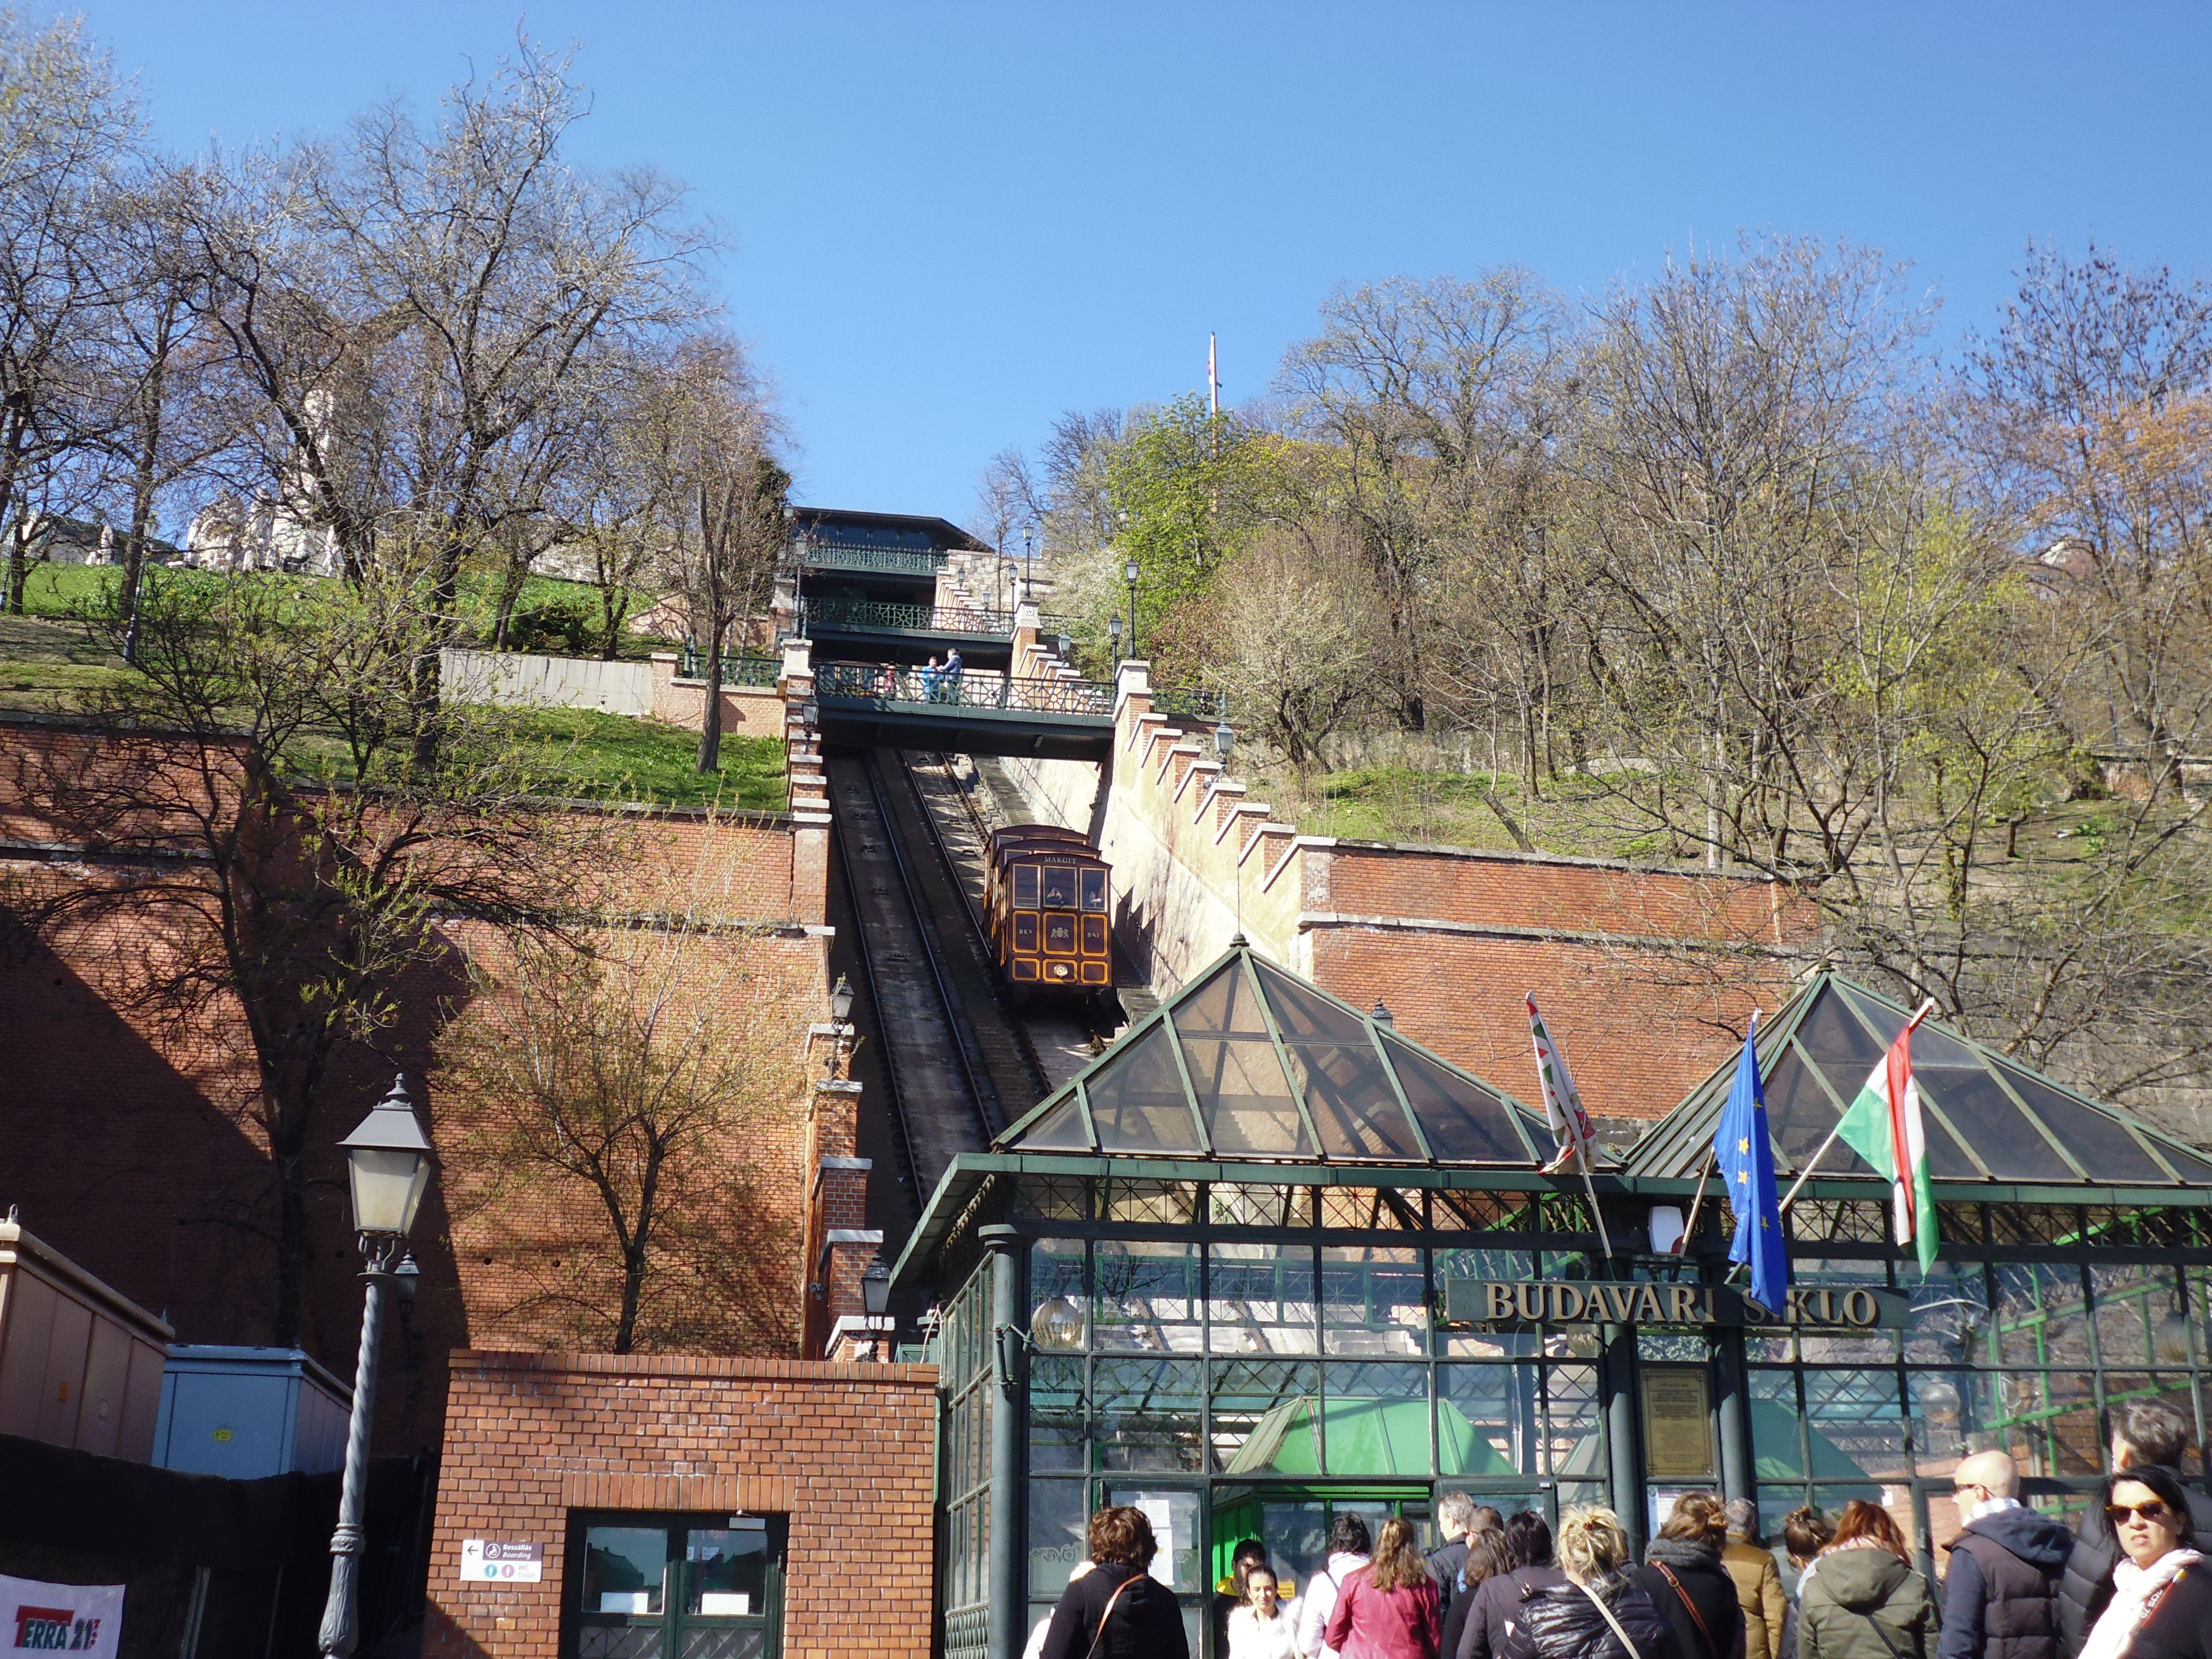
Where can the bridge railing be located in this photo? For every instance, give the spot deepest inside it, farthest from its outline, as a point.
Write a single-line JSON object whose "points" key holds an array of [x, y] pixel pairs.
{"points": [[884, 616], [736, 670], [971, 688], [1190, 702], [848, 555]]}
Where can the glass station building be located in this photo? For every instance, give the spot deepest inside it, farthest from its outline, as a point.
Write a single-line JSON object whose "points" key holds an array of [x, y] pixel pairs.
{"points": [[1266, 1259]]}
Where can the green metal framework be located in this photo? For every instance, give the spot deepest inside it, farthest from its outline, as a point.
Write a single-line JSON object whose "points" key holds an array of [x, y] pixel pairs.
{"points": [[736, 670], [874, 558]]}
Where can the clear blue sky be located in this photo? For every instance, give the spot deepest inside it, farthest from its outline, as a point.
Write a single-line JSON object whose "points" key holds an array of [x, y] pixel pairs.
{"points": [[950, 222]]}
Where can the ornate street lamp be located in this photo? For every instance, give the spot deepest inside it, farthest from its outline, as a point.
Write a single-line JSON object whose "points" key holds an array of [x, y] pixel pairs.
{"points": [[387, 1168], [1224, 741], [1114, 635], [1132, 573]]}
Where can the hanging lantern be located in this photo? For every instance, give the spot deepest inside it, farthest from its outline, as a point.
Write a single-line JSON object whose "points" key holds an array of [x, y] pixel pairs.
{"points": [[1057, 1325], [1939, 1402]]}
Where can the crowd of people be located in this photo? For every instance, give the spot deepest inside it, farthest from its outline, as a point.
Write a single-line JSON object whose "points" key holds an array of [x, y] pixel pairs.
{"points": [[2128, 1583]]}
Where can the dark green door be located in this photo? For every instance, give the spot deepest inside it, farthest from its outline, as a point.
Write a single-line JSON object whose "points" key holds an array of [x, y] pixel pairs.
{"points": [[673, 1586]]}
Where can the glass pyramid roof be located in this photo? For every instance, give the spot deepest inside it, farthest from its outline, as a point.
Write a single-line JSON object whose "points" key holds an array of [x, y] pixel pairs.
{"points": [[1251, 1063], [1988, 1118]]}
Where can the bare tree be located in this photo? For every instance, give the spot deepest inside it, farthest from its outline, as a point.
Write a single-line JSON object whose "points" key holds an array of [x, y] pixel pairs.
{"points": [[290, 858], [67, 126], [721, 501], [622, 1088], [1298, 630]]}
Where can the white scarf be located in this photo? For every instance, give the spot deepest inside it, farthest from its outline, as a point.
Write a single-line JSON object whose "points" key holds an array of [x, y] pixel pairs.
{"points": [[2132, 1589]]}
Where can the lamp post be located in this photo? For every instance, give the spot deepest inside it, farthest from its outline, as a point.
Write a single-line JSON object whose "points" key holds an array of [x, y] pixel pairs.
{"points": [[841, 1013], [1131, 571], [1029, 560], [1114, 635], [387, 1166]]}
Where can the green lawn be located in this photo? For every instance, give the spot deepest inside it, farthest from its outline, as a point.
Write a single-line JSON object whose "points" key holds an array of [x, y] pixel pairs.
{"points": [[1402, 803], [615, 757]]}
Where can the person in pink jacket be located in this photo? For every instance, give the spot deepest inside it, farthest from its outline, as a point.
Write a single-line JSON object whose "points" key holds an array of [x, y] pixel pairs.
{"points": [[1389, 1608]]}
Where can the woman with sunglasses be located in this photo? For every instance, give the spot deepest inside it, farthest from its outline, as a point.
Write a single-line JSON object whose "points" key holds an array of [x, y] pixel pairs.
{"points": [[2161, 1605]]}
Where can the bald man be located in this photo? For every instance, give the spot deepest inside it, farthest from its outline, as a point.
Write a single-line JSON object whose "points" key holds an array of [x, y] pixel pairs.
{"points": [[2001, 1597]]}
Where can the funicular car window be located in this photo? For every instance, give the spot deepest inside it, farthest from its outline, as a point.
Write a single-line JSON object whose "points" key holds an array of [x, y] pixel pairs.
{"points": [[1094, 890], [1059, 887], [1026, 886]]}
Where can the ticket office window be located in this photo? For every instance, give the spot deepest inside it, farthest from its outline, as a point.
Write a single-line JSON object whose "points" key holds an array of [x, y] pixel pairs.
{"points": [[673, 1587]]}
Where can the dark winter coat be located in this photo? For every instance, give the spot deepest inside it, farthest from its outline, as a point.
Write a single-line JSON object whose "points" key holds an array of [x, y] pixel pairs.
{"points": [[1495, 1603], [2180, 1625], [1446, 1563], [2001, 1600], [1707, 1587], [1850, 1592], [1146, 1623], [1459, 1607], [1559, 1622], [2088, 1585], [1376, 1624]]}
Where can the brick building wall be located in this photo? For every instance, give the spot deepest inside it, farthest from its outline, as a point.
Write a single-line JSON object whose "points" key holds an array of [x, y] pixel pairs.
{"points": [[845, 1452], [132, 1145]]}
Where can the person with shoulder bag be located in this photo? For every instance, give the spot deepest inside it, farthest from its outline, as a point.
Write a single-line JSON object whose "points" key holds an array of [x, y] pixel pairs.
{"points": [[1596, 1611], [1390, 1608], [1864, 1599], [1683, 1575], [1118, 1610]]}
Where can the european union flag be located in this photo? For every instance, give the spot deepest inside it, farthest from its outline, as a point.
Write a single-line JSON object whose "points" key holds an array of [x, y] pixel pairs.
{"points": [[1745, 1157]]}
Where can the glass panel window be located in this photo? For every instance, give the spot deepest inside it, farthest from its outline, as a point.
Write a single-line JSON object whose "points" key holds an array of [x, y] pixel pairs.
{"points": [[1832, 1348], [1853, 1422], [1574, 1444], [1950, 1317], [1374, 1300], [1094, 890], [1464, 1124], [2039, 1316], [1025, 887], [1147, 1298], [2139, 1320], [1232, 1205], [1055, 1414], [1059, 1528], [1374, 1420], [1145, 1414], [1137, 1102], [1489, 1419], [1059, 887], [1266, 1417], [1778, 1447], [725, 1574], [624, 1568], [1951, 1414], [1261, 1299], [1335, 1064], [1174, 1516], [1236, 1071]]}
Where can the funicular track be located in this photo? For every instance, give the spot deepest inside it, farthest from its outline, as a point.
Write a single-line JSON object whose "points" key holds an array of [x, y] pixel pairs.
{"points": [[960, 1062]]}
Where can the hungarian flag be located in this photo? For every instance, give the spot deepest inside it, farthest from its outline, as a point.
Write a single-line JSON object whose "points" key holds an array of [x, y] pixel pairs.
{"points": [[1883, 1126], [1570, 1125]]}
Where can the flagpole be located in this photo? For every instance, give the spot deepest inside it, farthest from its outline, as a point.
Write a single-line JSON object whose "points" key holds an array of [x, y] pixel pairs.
{"points": [[1924, 1009], [1697, 1203], [1597, 1213]]}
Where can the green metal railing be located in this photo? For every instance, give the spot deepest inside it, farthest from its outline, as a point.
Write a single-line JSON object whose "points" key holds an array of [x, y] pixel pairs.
{"points": [[736, 670], [971, 689], [882, 616], [848, 555], [1190, 702]]}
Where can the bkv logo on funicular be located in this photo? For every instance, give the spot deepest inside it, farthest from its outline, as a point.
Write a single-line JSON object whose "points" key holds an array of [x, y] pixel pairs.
{"points": [[1646, 1302], [51, 1629]]}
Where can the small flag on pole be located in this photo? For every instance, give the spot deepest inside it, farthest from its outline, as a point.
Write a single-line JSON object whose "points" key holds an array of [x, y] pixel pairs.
{"points": [[1882, 1125], [1563, 1107], [1744, 1155]]}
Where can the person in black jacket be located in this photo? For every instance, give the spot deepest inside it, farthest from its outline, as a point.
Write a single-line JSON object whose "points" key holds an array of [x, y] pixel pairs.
{"points": [[1494, 1603], [1487, 1557], [1683, 1576], [2001, 1600], [1117, 1610], [2160, 1597], [1567, 1620], [2144, 1431], [1455, 1520]]}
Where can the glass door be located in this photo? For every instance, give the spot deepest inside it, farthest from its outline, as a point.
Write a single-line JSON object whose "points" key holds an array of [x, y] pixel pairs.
{"points": [[673, 1587]]}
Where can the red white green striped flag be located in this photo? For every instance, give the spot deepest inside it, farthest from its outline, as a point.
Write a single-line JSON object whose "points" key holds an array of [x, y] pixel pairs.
{"points": [[1882, 1125]]}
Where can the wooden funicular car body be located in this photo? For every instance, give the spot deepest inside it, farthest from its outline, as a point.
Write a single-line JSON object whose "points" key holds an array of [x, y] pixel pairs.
{"points": [[1049, 902]]}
